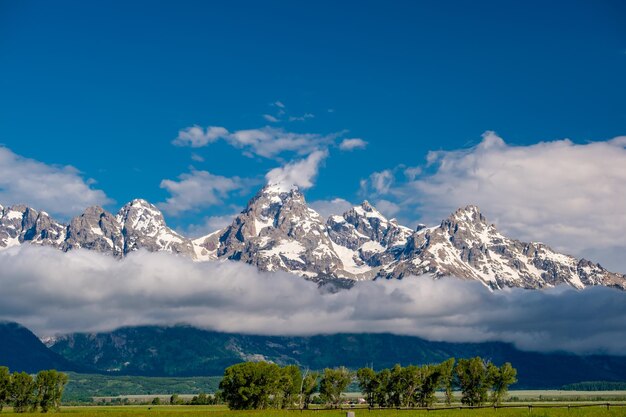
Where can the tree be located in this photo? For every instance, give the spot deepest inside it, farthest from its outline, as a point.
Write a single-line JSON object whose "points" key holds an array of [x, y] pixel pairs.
{"points": [[333, 383], [309, 386], [22, 392], [447, 379], [49, 387], [429, 380], [381, 387], [395, 386], [250, 385], [473, 380], [174, 399], [405, 383], [156, 401], [366, 378], [200, 399], [5, 386], [500, 379], [290, 383]]}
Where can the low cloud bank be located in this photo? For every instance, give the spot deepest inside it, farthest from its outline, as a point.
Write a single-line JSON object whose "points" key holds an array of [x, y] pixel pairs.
{"points": [[53, 292]]}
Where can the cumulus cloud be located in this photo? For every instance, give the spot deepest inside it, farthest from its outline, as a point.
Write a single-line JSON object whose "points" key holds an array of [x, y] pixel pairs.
{"points": [[198, 189], [197, 137], [60, 190], [378, 183], [268, 142], [300, 173], [301, 118], [328, 208], [570, 196], [54, 292], [197, 158], [270, 118], [352, 144]]}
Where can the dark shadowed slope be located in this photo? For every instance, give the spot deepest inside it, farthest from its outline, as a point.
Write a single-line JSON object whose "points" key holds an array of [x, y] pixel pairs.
{"points": [[187, 351], [21, 350]]}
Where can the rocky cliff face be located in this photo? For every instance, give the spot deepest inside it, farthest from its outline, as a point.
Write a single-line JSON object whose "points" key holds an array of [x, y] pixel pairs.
{"points": [[465, 245], [20, 224], [138, 225], [278, 231], [143, 227]]}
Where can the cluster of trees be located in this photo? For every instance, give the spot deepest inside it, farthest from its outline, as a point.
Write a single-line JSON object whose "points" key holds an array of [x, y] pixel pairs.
{"points": [[26, 393], [415, 386], [254, 385], [259, 385], [200, 399]]}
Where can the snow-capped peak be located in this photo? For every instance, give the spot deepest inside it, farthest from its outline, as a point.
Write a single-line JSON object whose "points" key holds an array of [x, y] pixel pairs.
{"points": [[470, 213], [278, 231]]}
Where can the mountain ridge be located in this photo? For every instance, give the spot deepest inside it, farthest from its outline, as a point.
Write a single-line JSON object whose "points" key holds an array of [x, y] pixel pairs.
{"points": [[188, 351], [279, 231]]}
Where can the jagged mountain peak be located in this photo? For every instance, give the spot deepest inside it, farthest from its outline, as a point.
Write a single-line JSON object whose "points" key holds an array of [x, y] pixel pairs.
{"points": [[278, 231], [280, 188], [469, 213], [142, 215]]}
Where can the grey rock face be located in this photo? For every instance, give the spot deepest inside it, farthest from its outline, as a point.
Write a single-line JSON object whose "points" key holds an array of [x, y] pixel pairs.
{"points": [[466, 246], [20, 224], [139, 225], [143, 226], [366, 240], [95, 229], [278, 232]]}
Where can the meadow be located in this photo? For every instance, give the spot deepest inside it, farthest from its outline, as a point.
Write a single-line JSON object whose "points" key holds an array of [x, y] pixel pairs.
{"points": [[221, 411]]}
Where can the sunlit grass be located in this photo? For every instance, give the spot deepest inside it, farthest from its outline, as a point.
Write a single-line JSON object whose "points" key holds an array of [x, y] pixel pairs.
{"points": [[221, 411]]}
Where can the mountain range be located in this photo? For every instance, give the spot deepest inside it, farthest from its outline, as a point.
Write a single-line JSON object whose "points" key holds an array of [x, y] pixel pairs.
{"points": [[187, 351], [278, 231]]}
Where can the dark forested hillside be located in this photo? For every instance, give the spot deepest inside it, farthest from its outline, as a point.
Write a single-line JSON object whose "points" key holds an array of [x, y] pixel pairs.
{"points": [[187, 351], [21, 350]]}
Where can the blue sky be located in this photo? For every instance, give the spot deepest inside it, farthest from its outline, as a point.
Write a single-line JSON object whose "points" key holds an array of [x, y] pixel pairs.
{"points": [[107, 87]]}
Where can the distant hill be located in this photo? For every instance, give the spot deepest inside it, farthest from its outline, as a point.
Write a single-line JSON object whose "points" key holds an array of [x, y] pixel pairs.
{"points": [[188, 351], [21, 350]]}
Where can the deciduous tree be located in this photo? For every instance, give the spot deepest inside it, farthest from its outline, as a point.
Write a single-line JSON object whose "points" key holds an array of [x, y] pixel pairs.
{"points": [[22, 392], [333, 383], [5, 386], [473, 380]]}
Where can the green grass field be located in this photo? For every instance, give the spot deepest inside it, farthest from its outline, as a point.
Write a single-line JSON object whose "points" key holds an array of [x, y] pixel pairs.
{"points": [[220, 411]]}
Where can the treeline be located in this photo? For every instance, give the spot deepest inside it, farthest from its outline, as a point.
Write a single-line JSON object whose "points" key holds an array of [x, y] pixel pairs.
{"points": [[595, 386], [259, 385], [200, 399], [25, 393]]}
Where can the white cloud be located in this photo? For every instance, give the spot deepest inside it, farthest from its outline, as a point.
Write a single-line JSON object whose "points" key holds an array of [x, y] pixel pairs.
{"points": [[59, 190], [54, 292], [268, 142], [378, 183], [198, 189], [270, 118], [387, 208], [328, 208], [301, 118], [196, 157], [197, 137], [570, 196], [352, 144], [279, 104], [300, 173]]}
